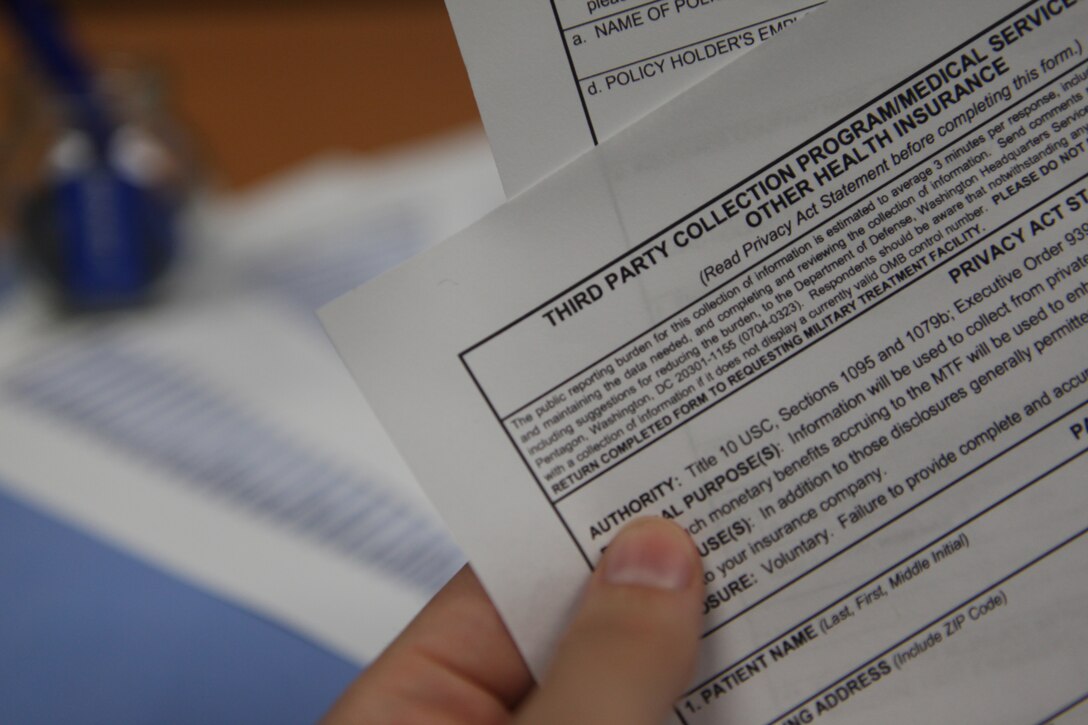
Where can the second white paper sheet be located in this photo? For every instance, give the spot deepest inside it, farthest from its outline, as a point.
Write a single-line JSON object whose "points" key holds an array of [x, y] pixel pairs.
{"points": [[553, 78], [826, 310]]}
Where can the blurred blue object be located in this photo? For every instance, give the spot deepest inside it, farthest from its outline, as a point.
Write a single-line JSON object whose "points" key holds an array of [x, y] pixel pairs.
{"points": [[91, 635], [103, 223]]}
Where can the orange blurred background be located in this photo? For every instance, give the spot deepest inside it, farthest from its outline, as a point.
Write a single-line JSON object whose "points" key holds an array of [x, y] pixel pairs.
{"points": [[263, 85]]}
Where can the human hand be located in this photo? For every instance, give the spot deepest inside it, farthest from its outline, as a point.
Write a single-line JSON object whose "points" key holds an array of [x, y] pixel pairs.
{"points": [[627, 655]]}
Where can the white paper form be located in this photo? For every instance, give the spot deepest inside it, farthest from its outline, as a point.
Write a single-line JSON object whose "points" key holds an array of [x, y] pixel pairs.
{"points": [[555, 77], [827, 310]]}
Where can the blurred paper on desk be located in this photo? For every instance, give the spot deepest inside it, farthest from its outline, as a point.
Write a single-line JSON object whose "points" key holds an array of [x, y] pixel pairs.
{"points": [[220, 436]]}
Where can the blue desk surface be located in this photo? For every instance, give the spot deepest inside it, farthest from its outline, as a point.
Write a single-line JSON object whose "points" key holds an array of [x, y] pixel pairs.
{"points": [[90, 634]]}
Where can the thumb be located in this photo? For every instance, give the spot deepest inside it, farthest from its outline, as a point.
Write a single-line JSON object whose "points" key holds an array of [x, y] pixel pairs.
{"points": [[631, 647]]}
